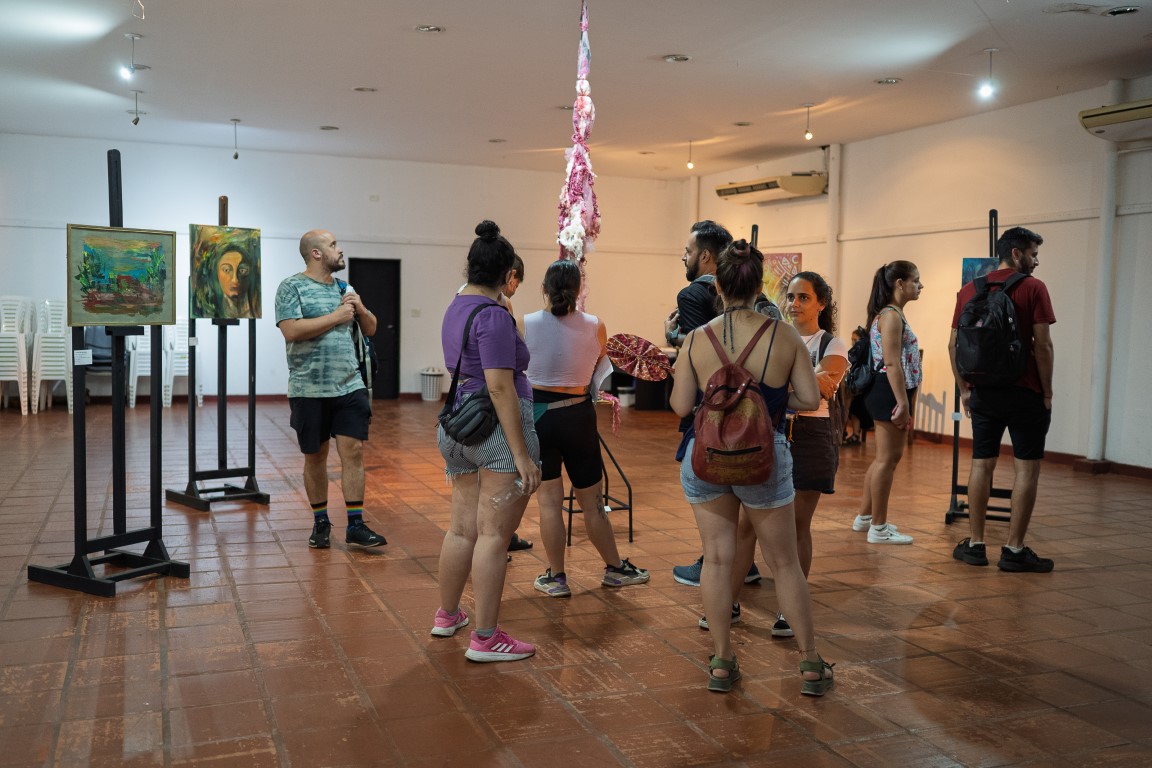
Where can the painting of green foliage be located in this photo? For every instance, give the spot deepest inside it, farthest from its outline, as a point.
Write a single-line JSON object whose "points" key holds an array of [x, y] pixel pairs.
{"points": [[121, 276]]}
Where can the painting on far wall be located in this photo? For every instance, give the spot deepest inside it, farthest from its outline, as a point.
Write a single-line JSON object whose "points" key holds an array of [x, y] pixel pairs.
{"points": [[779, 269], [120, 276], [225, 272], [974, 268]]}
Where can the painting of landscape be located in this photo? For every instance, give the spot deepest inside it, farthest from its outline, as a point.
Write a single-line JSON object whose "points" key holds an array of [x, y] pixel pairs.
{"points": [[120, 276]]}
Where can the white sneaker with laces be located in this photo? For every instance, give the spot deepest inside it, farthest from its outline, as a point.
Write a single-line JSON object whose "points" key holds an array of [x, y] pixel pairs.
{"points": [[861, 524], [886, 534]]}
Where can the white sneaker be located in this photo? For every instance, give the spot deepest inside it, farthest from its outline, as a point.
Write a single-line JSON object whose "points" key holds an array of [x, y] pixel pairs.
{"points": [[886, 534], [861, 524]]}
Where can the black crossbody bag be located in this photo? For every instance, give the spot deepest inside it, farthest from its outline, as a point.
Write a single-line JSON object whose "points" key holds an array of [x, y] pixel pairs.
{"points": [[475, 419]]}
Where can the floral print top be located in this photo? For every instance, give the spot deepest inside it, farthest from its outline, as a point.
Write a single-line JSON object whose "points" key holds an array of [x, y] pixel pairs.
{"points": [[909, 351]]}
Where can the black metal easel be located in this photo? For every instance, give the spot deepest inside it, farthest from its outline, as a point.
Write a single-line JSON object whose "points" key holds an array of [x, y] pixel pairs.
{"points": [[957, 508], [193, 495], [615, 504], [79, 574]]}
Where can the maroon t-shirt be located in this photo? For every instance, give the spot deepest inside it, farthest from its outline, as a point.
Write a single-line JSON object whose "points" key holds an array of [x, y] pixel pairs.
{"points": [[1033, 306]]}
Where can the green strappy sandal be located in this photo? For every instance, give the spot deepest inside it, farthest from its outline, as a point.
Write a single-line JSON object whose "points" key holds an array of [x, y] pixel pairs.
{"points": [[817, 687], [722, 684]]}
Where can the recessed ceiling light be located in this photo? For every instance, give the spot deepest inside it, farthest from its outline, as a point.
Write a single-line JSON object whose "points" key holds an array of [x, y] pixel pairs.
{"points": [[646, 152], [741, 123], [430, 28], [497, 141], [888, 81], [329, 127], [567, 107], [1122, 10], [364, 89], [676, 58]]}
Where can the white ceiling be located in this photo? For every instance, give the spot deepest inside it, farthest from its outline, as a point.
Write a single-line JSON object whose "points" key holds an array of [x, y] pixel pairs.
{"points": [[503, 68]]}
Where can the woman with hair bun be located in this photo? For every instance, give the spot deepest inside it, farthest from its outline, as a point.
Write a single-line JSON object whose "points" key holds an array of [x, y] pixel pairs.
{"points": [[477, 539], [892, 399], [779, 361], [566, 345]]}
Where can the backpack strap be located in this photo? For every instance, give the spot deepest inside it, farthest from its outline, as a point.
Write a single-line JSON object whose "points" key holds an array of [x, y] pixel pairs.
{"points": [[825, 340], [747, 350], [463, 343]]}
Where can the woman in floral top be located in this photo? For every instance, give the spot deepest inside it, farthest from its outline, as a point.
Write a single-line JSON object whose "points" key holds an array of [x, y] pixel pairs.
{"points": [[892, 399]]}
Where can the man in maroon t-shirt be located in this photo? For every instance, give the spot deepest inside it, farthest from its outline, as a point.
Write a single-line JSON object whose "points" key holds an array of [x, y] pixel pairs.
{"points": [[1024, 408]]}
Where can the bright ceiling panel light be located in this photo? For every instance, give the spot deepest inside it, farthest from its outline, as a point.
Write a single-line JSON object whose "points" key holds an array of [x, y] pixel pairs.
{"points": [[47, 21]]}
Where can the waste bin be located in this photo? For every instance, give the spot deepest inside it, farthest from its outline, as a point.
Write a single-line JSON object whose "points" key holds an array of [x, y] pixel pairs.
{"points": [[430, 388]]}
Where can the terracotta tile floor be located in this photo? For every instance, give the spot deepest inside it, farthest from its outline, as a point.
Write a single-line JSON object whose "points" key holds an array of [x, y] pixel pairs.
{"points": [[273, 654]]}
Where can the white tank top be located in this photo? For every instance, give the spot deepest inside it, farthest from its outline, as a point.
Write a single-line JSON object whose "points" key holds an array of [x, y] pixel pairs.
{"points": [[564, 349]]}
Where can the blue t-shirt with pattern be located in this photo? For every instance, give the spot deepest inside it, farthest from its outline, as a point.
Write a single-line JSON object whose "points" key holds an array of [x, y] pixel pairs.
{"points": [[324, 366]]}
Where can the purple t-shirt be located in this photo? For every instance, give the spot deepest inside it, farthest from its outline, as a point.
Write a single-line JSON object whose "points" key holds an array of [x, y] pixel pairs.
{"points": [[493, 342]]}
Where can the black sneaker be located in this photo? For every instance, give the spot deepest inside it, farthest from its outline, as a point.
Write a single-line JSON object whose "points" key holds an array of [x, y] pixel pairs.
{"points": [[321, 535], [781, 628], [973, 554], [363, 536], [1025, 562], [703, 623]]}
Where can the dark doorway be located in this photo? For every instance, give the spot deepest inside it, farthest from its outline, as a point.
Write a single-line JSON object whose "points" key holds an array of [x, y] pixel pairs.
{"points": [[378, 283]]}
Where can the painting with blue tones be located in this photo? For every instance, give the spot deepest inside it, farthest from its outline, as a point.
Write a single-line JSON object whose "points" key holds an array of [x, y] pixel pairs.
{"points": [[121, 276]]}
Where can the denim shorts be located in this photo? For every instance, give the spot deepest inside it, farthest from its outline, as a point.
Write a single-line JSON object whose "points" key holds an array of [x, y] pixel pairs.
{"points": [[776, 492], [493, 454]]}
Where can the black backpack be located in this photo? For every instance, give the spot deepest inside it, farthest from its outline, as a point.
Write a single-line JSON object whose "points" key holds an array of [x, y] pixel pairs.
{"points": [[989, 352], [861, 372]]}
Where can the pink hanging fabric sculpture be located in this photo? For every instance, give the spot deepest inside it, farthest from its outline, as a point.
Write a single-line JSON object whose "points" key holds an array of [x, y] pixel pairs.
{"points": [[579, 220]]}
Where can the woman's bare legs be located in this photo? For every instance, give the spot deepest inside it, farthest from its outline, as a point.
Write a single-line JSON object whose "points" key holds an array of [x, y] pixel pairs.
{"points": [[717, 521], [890, 443], [805, 503]]}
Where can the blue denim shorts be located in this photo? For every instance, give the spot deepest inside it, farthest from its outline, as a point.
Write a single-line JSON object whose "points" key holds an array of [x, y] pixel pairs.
{"points": [[776, 492]]}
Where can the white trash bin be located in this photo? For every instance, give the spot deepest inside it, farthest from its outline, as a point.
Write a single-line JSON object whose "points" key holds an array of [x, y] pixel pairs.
{"points": [[430, 388]]}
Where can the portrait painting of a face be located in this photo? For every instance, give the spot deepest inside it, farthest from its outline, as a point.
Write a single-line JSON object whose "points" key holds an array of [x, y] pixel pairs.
{"points": [[225, 278]]}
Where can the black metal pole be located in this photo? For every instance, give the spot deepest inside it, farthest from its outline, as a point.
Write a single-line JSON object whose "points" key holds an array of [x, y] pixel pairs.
{"points": [[222, 369], [119, 464]]}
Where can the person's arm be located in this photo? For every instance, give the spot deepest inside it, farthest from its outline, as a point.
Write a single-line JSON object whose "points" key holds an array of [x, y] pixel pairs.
{"points": [[891, 342], [1045, 358], [502, 390], [829, 371], [364, 316], [684, 385], [305, 328], [805, 394], [965, 389]]}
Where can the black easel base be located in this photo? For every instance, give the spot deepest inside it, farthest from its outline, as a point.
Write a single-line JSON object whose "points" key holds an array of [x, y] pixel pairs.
{"points": [[958, 509], [201, 499], [79, 574]]}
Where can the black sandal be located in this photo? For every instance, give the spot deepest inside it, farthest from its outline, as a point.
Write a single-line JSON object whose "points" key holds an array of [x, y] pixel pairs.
{"points": [[518, 544]]}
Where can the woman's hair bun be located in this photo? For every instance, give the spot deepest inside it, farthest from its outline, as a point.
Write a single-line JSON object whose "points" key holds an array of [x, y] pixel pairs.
{"points": [[741, 248], [487, 230]]}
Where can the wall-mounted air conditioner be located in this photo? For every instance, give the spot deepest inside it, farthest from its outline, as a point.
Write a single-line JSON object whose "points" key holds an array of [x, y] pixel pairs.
{"points": [[775, 188], [1120, 122]]}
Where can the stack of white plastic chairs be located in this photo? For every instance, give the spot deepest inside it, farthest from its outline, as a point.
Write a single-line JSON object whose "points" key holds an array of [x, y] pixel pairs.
{"points": [[51, 354], [140, 360], [14, 321], [176, 360]]}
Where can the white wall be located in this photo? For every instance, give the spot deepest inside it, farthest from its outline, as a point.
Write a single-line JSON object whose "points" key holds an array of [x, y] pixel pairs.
{"points": [[922, 195]]}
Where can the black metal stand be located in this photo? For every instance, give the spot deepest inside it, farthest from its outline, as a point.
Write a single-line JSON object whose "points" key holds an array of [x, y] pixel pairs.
{"points": [[957, 508], [613, 503], [193, 495], [79, 574]]}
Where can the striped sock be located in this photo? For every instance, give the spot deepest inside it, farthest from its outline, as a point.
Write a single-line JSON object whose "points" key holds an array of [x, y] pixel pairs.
{"points": [[320, 512], [355, 513]]}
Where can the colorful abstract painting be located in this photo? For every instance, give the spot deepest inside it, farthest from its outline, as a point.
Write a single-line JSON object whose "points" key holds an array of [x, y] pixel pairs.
{"points": [[974, 268], [779, 269], [121, 276], [225, 277]]}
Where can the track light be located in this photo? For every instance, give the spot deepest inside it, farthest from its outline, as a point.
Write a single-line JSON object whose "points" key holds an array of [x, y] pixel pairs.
{"points": [[135, 111], [988, 88], [691, 165], [129, 71], [808, 122], [235, 149]]}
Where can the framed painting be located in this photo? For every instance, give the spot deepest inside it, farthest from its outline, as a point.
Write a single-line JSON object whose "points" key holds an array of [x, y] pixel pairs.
{"points": [[779, 269], [121, 276], [974, 268], [225, 275]]}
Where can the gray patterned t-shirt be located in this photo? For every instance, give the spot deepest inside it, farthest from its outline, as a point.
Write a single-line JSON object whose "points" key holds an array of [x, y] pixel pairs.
{"points": [[326, 365]]}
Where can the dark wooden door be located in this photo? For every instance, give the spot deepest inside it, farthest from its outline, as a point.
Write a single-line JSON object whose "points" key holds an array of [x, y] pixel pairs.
{"points": [[378, 283]]}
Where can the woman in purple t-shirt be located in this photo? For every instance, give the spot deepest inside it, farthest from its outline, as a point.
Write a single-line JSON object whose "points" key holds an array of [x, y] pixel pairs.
{"points": [[483, 474]]}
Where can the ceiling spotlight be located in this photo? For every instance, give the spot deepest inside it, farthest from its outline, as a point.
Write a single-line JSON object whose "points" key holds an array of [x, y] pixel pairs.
{"points": [[741, 123], [1122, 10], [497, 141], [127, 72], [329, 127], [676, 58], [691, 165], [235, 148], [364, 89], [808, 121], [135, 111], [888, 81], [988, 88]]}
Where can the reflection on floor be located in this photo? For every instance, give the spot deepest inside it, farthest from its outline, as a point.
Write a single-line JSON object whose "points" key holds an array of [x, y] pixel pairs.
{"points": [[273, 654]]}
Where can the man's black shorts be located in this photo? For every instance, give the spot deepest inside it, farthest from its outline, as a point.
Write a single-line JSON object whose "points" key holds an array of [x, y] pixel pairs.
{"points": [[1021, 411], [316, 419]]}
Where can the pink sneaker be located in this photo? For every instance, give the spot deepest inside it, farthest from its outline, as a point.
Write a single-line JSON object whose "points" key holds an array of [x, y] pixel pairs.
{"points": [[499, 647], [447, 623]]}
